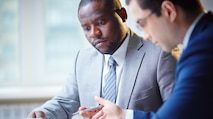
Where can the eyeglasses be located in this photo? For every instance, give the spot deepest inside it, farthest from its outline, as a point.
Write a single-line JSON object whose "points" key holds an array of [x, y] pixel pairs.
{"points": [[141, 23]]}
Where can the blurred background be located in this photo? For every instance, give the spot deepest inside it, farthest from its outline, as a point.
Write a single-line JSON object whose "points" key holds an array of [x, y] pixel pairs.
{"points": [[38, 41]]}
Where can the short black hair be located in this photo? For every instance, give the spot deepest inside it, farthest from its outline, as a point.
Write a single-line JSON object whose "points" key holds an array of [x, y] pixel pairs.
{"points": [[189, 6], [111, 4]]}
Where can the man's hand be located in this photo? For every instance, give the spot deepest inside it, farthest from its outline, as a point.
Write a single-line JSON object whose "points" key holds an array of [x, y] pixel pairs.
{"points": [[37, 114], [109, 111]]}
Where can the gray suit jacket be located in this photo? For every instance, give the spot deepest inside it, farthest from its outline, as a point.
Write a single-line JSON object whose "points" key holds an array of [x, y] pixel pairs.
{"points": [[146, 81]]}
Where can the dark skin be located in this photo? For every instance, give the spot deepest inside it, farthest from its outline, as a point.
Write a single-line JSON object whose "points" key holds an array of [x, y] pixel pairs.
{"points": [[104, 28]]}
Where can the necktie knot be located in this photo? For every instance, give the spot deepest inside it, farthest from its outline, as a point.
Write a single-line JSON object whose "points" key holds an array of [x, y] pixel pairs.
{"points": [[111, 61]]}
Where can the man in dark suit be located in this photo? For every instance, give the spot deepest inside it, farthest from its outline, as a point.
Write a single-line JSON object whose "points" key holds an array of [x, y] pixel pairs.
{"points": [[168, 23], [144, 73]]}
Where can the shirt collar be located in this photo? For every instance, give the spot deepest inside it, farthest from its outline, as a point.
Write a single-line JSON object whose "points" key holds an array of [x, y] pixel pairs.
{"points": [[120, 53], [189, 32]]}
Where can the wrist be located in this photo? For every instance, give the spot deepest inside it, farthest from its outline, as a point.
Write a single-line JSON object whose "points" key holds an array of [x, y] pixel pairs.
{"points": [[123, 114]]}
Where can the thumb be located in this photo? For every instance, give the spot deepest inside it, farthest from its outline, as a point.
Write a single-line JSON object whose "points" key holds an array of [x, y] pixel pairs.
{"points": [[31, 115], [100, 100]]}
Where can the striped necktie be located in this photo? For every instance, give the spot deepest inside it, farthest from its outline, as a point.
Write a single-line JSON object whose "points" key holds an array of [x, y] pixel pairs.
{"points": [[110, 81]]}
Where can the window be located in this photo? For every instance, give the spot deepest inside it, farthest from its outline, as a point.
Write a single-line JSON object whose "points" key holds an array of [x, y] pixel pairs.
{"points": [[63, 36], [9, 45], [39, 38], [38, 41]]}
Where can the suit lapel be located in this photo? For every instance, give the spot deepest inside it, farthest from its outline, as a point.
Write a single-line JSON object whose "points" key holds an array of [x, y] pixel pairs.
{"points": [[93, 79], [98, 67], [131, 67]]}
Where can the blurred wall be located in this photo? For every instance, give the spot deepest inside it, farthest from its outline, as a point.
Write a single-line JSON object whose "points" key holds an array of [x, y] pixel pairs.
{"points": [[208, 4]]}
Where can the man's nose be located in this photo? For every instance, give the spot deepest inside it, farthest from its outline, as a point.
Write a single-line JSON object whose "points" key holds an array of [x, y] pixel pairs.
{"points": [[95, 32]]}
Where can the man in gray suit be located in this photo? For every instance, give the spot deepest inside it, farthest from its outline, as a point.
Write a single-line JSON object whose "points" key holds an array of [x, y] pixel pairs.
{"points": [[144, 73]]}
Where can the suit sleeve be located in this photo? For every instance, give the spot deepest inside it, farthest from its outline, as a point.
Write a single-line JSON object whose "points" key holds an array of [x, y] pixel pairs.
{"points": [[166, 74], [65, 102], [192, 96]]}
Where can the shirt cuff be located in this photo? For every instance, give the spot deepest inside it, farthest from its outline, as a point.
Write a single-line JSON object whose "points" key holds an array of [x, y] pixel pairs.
{"points": [[129, 114]]}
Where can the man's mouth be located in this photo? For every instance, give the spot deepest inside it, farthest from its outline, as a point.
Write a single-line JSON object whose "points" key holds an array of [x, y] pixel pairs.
{"points": [[97, 42]]}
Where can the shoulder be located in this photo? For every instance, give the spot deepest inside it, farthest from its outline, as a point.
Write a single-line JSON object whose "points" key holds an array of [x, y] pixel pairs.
{"points": [[199, 50], [88, 51], [145, 45], [88, 54]]}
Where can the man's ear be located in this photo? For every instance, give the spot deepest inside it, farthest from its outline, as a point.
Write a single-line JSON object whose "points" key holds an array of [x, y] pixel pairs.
{"points": [[122, 13], [169, 9]]}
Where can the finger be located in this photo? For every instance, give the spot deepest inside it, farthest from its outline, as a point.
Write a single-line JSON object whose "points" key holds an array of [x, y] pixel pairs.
{"points": [[40, 114], [82, 108], [31, 115], [103, 117], [98, 115], [87, 114]]}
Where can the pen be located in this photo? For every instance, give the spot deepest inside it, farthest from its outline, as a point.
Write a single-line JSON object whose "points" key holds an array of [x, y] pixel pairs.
{"points": [[88, 109]]}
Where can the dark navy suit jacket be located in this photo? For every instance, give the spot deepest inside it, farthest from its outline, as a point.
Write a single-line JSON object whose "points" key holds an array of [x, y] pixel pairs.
{"points": [[192, 96]]}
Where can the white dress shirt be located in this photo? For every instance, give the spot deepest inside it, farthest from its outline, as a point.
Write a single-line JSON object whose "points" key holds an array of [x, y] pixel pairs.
{"points": [[119, 57]]}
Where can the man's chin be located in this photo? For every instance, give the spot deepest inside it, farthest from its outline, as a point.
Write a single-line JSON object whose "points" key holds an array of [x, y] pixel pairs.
{"points": [[103, 51]]}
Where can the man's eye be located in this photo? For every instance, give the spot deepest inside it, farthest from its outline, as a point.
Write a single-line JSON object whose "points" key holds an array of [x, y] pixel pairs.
{"points": [[101, 22], [86, 28]]}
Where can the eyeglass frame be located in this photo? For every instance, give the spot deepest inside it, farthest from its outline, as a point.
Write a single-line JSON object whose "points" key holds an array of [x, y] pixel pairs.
{"points": [[142, 22]]}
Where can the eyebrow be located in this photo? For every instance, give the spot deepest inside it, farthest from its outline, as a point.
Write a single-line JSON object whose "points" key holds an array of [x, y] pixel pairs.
{"points": [[97, 17]]}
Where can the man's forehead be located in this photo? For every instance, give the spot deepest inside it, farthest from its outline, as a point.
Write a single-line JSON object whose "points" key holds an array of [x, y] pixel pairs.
{"points": [[137, 12], [95, 6]]}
